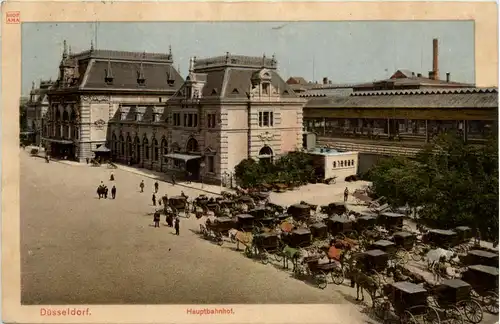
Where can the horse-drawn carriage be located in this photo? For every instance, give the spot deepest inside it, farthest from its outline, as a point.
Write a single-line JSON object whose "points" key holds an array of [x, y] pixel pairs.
{"points": [[440, 238], [406, 301], [245, 222], [297, 238], [452, 298], [480, 257], [299, 212], [319, 230], [341, 227], [179, 204], [318, 271], [217, 229], [484, 282], [264, 244], [391, 221]]}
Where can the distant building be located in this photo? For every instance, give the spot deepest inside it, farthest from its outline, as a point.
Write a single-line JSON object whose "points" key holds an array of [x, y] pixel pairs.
{"points": [[229, 108], [36, 109], [91, 88]]}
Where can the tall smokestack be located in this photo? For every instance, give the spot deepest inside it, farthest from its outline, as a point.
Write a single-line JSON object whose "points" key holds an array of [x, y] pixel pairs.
{"points": [[435, 59]]}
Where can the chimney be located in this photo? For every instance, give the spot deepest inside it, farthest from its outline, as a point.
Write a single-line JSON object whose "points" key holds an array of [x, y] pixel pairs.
{"points": [[447, 76], [435, 59], [431, 75], [329, 81], [419, 75], [325, 80], [413, 74]]}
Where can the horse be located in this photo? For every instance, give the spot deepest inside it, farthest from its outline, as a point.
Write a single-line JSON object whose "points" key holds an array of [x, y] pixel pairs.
{"points": [[362, 281], [291, 254]]}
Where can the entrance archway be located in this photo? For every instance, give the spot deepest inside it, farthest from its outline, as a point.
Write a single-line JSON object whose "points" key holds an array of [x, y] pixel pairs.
{"points": [[266, 154], [192, 146], [193, 166]]}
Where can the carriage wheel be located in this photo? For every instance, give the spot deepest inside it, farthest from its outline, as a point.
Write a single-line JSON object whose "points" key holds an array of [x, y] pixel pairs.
{"points": [[337, 275], [407, 317], [417, 253], [431, 316], [219, 239], [278, 257], [264, 258], [402, 256], [320, 279], [472, 311], [454, 315], [248, 251], [382, 309], [490, 302]]}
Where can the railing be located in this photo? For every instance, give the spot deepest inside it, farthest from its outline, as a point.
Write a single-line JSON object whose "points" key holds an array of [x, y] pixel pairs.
{"points": [[375, 149]]}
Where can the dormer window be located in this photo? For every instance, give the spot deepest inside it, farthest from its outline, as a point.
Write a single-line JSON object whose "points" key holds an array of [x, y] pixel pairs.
{"points": [[170, 79], [138, 117], [108, 80], [265, 88], [109, 74]]}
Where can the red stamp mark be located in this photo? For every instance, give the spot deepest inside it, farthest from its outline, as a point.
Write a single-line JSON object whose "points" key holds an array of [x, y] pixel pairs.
{"points": [[13, 17]]}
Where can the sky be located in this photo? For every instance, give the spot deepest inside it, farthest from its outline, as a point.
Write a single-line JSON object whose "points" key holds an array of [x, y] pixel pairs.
{"points": [[345, 52]]}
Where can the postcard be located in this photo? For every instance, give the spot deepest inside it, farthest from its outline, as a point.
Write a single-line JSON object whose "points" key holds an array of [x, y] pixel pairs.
{"points": [[251, 162]]}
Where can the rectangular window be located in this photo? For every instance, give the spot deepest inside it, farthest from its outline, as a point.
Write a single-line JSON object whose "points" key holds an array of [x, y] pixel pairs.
{"points": [[185, 120], [178, 164], [176, 119], [266, 119], [146, 151], [210, 164], [195, 120], [165, 152], [211, 120]]}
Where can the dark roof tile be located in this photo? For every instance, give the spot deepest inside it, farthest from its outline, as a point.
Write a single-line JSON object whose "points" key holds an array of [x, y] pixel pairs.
{"points": [[125, 76]]}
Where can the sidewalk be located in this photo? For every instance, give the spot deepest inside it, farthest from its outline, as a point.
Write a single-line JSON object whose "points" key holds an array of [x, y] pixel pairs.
{"points": [[211, 189]]}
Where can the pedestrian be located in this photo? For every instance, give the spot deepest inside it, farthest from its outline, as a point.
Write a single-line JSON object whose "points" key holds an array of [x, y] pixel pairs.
{"points": [[346, 194], [173, 179], [141, 185], [113, 192], [111, 177], [154, 199], [105, 192], [156, 187], [190, 176], [156, 219], [177, 221], [87, 159]]}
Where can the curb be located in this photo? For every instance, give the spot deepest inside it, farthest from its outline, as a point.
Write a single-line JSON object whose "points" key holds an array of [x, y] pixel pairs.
{"points": [[177, 184]]}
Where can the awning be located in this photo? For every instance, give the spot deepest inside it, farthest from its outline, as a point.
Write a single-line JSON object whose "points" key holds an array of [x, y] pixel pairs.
{"points": [[182, 157], [60, 141], [102, 149]]}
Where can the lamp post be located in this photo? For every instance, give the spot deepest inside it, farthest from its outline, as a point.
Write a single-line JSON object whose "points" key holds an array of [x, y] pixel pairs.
{"points": [[202, 168]]}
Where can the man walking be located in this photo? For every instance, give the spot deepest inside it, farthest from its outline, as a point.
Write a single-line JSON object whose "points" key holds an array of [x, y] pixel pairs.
{"points": [[177, 221], [141, 185], [113, 192], [346, 194], [105, 192], [156, 187], [173, 179], [154, 199]]}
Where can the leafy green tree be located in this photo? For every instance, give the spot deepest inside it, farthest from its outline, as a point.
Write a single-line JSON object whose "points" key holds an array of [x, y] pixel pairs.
{"points": [[454, 184]]}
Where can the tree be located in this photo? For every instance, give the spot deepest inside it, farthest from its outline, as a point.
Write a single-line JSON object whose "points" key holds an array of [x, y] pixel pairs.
{"points": [[293, 167], [454, 184]]}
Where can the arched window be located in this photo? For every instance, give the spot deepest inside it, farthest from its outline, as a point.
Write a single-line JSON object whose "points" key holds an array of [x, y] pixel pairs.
{"points": [[334, 164], [58, 115], [129, 146], [348, 162], [341, 164], [164, 149], [156, 153], [192, 146], [352, 162], [65, 116], [114, 144], [122, 145], [145, 145], [266, 153]]}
